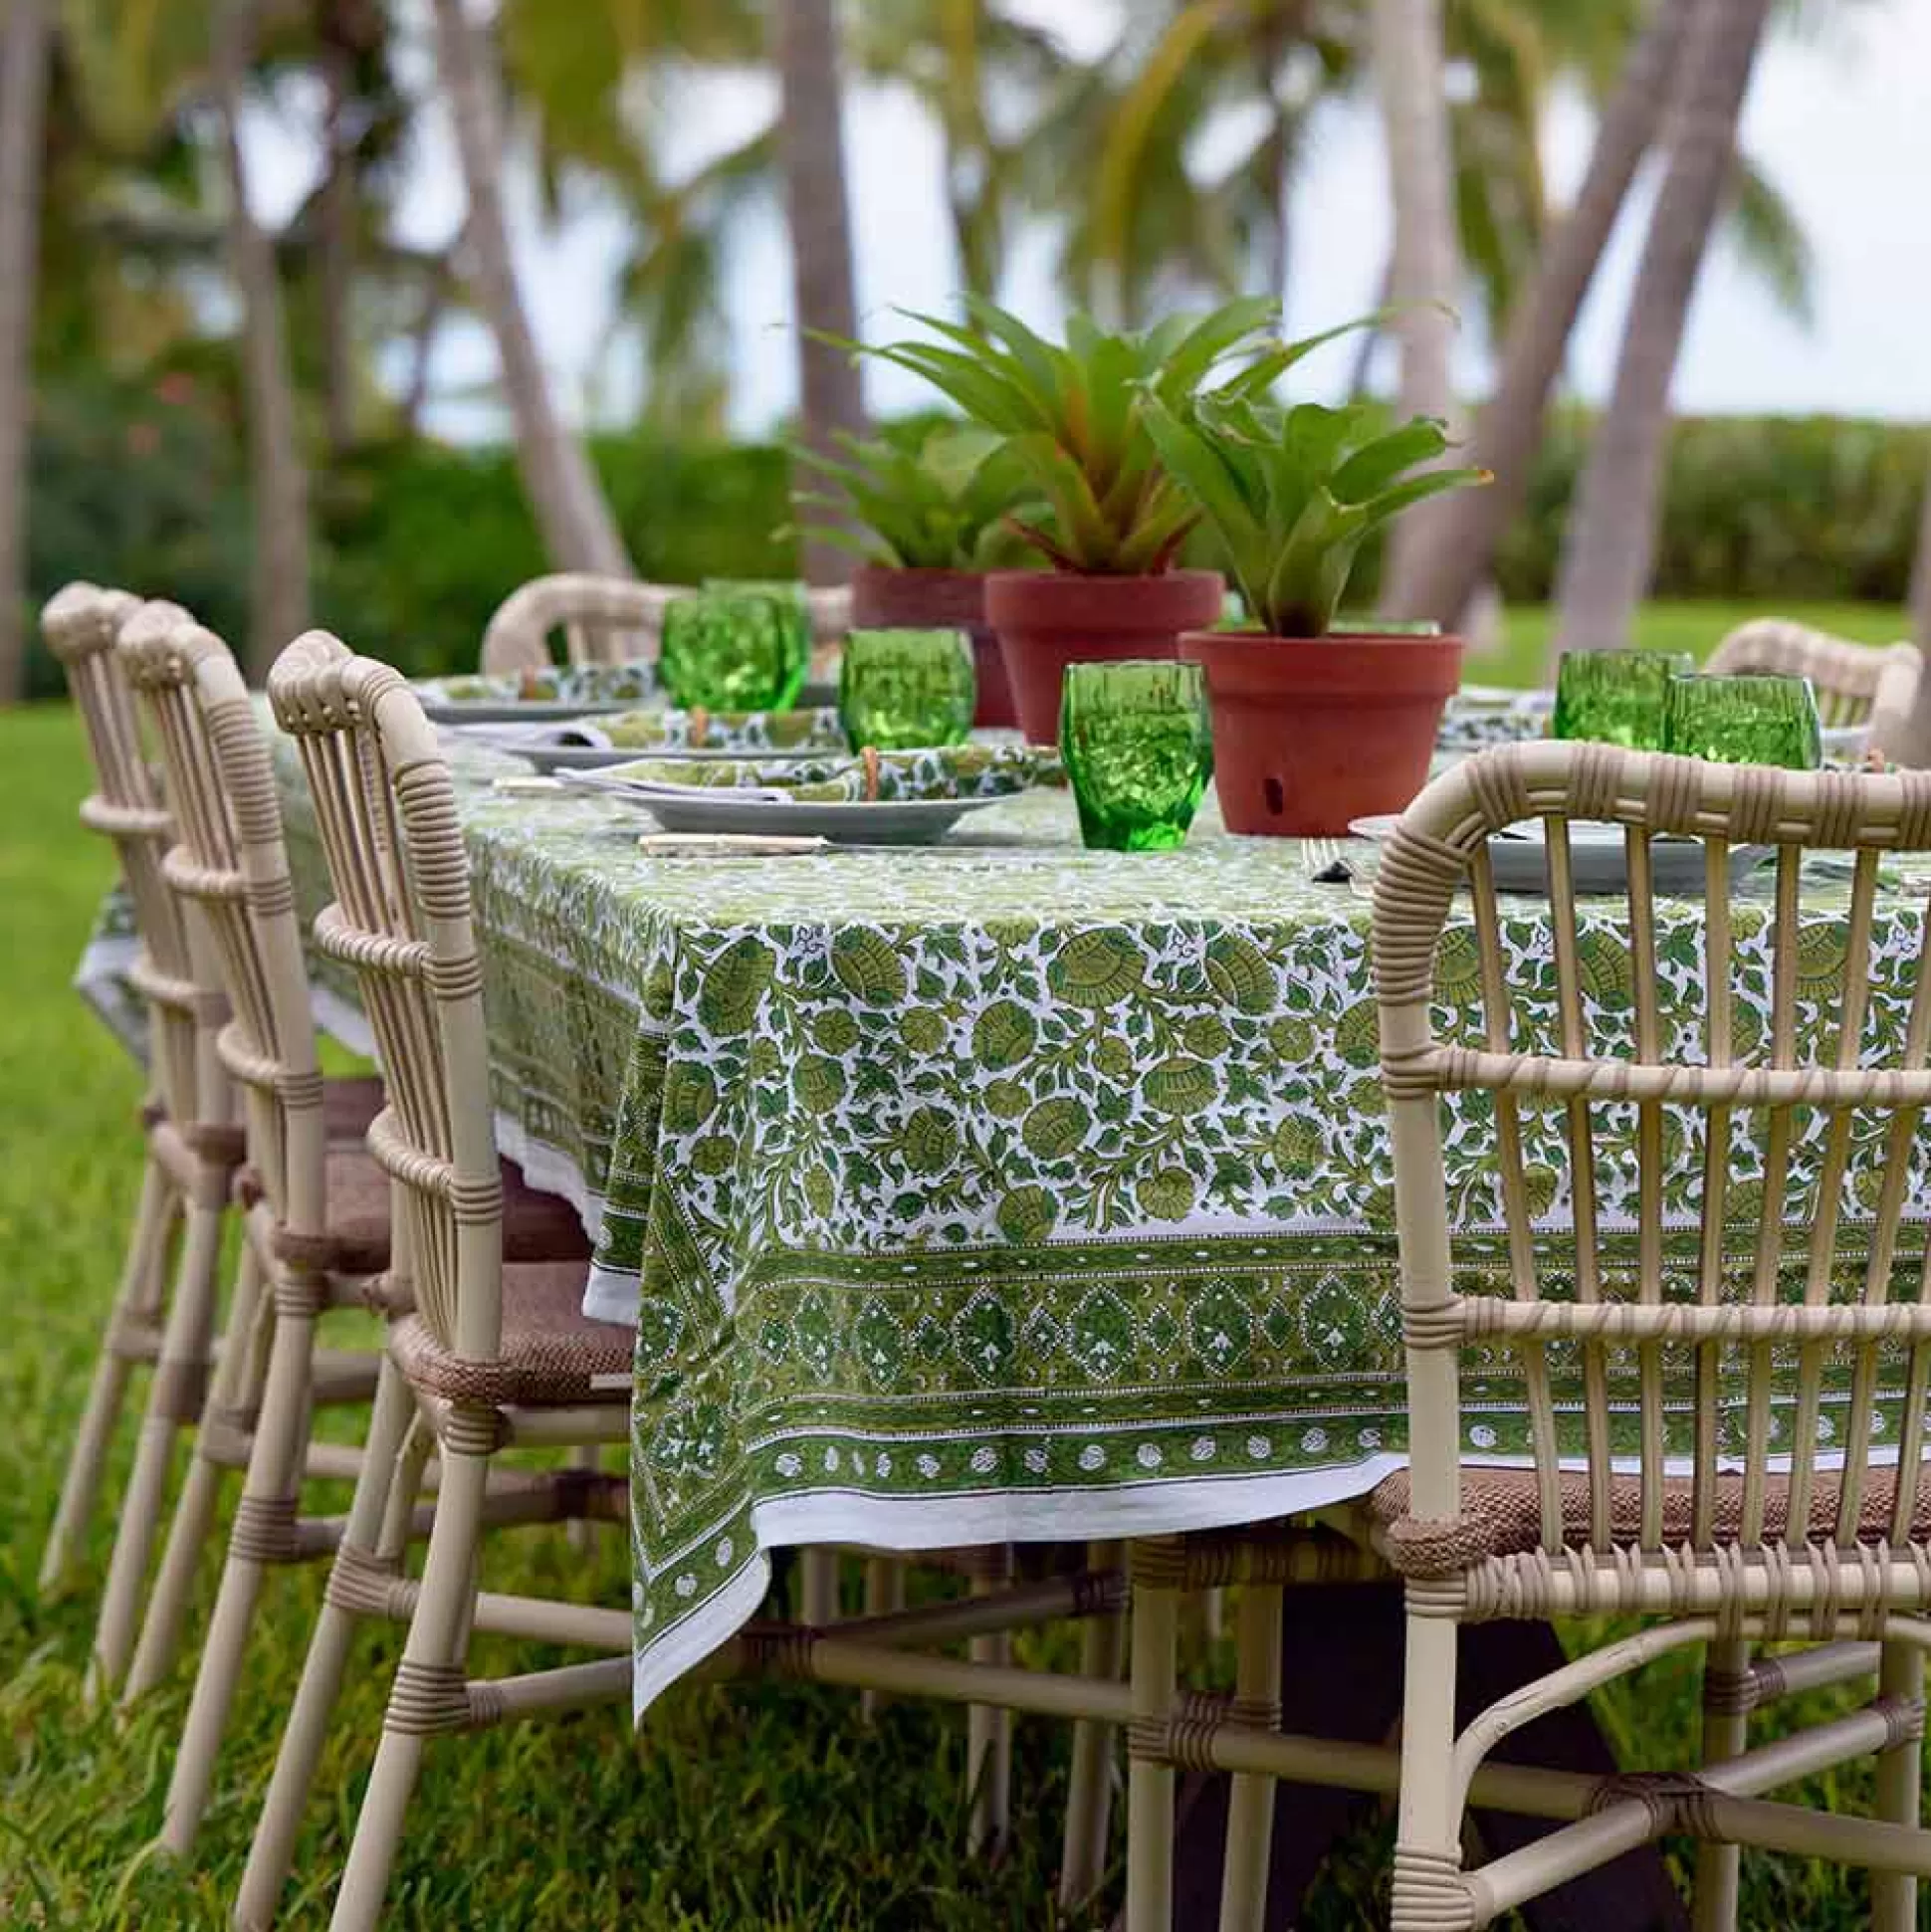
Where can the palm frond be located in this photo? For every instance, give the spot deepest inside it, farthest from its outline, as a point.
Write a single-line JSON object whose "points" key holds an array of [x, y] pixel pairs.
{"points": [[1764, 229]]}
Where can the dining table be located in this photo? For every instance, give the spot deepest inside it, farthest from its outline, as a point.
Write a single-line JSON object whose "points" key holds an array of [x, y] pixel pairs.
{"points": [[1000, 1190]]}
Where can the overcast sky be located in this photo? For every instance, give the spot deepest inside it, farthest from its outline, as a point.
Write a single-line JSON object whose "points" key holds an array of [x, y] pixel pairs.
{"points": [[1839, 116]]}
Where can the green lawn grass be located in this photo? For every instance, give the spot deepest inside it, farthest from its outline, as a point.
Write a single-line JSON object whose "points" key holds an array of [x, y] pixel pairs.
{"points": [[730, 1809], [1522, 658]]}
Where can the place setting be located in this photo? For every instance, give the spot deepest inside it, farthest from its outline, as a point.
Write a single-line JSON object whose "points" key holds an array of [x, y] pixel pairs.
{"points": [[1653, 701]]}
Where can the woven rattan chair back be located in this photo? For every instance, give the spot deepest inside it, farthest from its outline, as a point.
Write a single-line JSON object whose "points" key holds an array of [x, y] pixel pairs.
{"points": [[608, 620], [401, 916], [174, 971], [230, 860], [1712, 1343], [1856, 684]]}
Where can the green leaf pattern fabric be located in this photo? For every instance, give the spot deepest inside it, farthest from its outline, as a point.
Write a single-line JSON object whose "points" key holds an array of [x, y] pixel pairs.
{"points": [[1004, 1189]]}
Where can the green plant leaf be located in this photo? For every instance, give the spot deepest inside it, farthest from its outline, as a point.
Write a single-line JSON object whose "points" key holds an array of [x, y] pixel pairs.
{"points": [[1377, 464], [981, 389], [1193, 358], [1206, 474], [1432, 483]]}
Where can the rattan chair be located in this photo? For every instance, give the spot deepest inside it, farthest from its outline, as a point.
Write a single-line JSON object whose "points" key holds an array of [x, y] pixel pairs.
{"points": [[1731, 1328], [193, 1143], [1855, 683], [316, 1208], [495, 1353], [609, 621]]}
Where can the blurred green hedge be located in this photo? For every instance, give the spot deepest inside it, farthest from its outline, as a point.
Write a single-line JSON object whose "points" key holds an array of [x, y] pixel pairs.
{"points": [[417, 543]]}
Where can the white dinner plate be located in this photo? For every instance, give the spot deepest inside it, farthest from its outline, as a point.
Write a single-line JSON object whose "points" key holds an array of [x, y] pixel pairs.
{"points": [[1599, 857], [519, 711], [706, 808]]}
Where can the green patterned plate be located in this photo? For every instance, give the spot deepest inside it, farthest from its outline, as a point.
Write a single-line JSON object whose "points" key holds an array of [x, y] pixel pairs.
{"points": [[856, 821]]}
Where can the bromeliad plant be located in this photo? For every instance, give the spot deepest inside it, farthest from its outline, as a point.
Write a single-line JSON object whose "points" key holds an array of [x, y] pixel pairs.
{"points": [[1073, 418], [938, 504], [1291, 494]]}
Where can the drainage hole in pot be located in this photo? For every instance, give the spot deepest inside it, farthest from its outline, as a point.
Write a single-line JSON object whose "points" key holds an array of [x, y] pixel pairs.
{"points": [[1276, 799]]}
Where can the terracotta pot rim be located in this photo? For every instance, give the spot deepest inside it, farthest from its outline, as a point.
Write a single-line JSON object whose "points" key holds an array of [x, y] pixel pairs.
{"points": [[1100, 578], [1060, 600], [928, 571], [1326, 641]]}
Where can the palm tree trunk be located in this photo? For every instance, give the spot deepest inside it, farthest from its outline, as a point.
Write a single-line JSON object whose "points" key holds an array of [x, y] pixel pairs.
{"points": [[1425, 269], [1916, 748], [337, 256], [23, 103], [277, 607], [811, 141], [429, 321], [1612, 539], [963, 129], [572, 515], [1369, 339], [1460, 542]]}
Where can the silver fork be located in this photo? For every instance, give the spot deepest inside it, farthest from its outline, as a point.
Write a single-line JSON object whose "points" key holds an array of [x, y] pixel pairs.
{"points": [[1319, 854]]}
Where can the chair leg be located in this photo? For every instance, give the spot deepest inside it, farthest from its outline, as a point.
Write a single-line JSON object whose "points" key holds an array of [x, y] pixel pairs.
{"points": [[1250, 1805], [1894, 1894], [1155, 1677], [884, 1593], [142, 1276], [1428, 1892], [236, 1389], [819, 1586], [272, 1484], [989, 1747], [1089, 1795], [1725, 1733], [392, 1459], [173, 1406], [428, 1695], [582, 1530]]}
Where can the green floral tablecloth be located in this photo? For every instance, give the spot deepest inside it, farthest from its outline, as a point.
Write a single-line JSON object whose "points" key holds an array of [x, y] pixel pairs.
{"points": [[1005, 1190]]}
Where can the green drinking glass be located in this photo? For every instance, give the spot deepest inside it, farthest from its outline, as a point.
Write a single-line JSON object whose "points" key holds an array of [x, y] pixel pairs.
{"points": [[731, 650], [1138, 749], [907, 690], [1748, 720], [1617, 697]]}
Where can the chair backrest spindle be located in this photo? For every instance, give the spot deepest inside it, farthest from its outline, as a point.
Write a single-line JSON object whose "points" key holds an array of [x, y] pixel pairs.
{"points": [[174, 971], [1712, 1351], [386, 812], [1856, 684], [229, 860], [609, 621]]}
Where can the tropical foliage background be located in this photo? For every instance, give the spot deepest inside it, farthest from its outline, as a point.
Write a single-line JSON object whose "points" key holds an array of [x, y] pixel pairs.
{"points": [[194, 403]]}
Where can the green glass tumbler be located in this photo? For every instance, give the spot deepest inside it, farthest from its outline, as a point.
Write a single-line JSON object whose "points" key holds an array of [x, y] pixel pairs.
{"points": [[1138, 751], [731, 650], [1746, 720], [907, 690], [1617, 697]]}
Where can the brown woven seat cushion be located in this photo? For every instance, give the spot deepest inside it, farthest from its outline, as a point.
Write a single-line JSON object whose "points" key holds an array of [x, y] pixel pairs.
{"points": [[1501, 1508], [349, 1105], [535, 1226], [553, 1354]]}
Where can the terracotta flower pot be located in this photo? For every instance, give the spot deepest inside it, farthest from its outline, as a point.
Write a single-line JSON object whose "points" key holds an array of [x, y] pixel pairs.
{"points": [[1048, 620], [1310, 733], [885, 598]]}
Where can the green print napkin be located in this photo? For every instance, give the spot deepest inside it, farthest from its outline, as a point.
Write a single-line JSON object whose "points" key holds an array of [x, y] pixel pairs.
{"points": [[726, 730], [551, 684], [946, 771]]}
